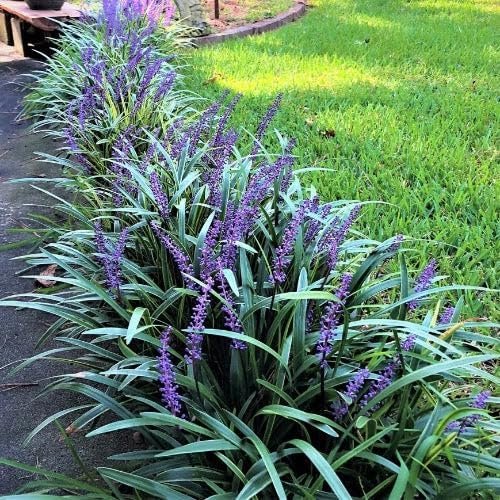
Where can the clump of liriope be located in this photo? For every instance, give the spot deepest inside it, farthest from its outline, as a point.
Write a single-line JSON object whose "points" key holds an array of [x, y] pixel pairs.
{"points": [[108, 78], [260, 344], [264, 347]]}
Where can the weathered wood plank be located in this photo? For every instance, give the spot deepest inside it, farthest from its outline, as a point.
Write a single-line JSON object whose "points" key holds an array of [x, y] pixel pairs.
{"points": [[5, 29], [17, 35]]}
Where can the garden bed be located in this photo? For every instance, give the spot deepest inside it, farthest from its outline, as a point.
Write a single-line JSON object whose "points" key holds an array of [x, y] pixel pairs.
{"points": [[257, 341], [234, 13]]}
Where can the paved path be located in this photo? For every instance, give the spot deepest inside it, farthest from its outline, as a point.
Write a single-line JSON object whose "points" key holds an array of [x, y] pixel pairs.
{"points": [[20, 330]]}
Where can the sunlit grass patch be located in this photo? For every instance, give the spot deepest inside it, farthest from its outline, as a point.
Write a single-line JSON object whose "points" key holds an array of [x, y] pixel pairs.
{"points": [[399, 99]]}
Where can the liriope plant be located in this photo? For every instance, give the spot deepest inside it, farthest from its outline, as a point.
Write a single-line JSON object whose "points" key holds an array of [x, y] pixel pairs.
{"points": [[109, 76], [259, 344]]}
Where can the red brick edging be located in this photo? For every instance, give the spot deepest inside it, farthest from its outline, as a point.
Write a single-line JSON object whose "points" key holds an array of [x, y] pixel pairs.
{"points": [[256, 28]]}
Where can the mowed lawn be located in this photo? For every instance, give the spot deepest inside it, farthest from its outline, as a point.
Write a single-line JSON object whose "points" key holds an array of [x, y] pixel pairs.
{"points": [[400, 99]]}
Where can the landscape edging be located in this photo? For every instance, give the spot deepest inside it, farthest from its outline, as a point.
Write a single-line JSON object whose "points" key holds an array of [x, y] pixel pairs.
{"points": [[290, 15]]}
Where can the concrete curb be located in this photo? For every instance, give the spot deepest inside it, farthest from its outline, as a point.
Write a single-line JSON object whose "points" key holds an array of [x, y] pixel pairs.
{"points": [[257, 28]]}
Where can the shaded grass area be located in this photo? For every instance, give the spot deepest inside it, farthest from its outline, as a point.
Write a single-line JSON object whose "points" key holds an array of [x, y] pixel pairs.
{"points": [[400, 100]]}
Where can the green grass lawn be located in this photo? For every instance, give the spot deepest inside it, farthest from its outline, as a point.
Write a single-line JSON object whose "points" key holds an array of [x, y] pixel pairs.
{"points": [[399, 98]]}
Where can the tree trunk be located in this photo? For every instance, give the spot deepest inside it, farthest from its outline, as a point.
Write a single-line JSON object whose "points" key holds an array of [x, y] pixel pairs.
{"points": [[191, 12]]}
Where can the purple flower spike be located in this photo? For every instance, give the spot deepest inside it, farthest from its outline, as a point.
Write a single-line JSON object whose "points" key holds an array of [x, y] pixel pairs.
{"points": [[111, 261], [151, 71], [99, 238], [353, 388], [331, 241], [146, 160], [356, 383], [315, 224], [231, 319], [221, 126], [179, 256], [87, 105], [384, 380], [281, 259], [330, 320], [480, 402], [446, 316], [218, 158], [168, 387], [339, 410], [194, 339], [159, 195], [165, 86], [264, 124], [208, 262], [423, 282], [394, 246], [409, 342]]}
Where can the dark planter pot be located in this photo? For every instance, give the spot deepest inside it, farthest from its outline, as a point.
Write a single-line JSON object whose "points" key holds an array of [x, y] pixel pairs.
{"points": [[45, 4]]}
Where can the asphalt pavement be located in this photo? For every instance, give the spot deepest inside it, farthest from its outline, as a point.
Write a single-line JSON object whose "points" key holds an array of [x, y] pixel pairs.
{"points": [[20, 330]]}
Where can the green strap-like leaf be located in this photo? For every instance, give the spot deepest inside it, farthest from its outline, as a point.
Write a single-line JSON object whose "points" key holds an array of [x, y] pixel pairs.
{"points": [[199, 447], [324, 468], [149, 486]]}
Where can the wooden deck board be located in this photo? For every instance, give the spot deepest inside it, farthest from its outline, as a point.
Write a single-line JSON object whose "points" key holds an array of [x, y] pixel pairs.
{"points": [[15, 15], [21, 10]]}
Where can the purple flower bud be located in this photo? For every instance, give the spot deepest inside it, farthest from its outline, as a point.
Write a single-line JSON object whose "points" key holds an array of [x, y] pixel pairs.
{"points": [[447, 316], [193, 133], [87, 55], [208, 261], [281, 259], [264, 124], [353, 388], [409, 342], [218, 158], [179, 256], [479, 402], [75, 151], [243, 218], [221, 126], [423, 282], [146, 160], [356, 383], [331, 241], [175, 127], [87, 105], [383, 381], [99, 238], [314, 224], [330, 320], [165, 86], [111, 261], [194, 338], [168, 386], [159, 195], [394, 246], [151, 71]]}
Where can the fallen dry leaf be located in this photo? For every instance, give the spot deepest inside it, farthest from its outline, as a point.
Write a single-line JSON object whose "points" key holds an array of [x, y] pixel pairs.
{"points": [[215, 76], [71, 429], [49, 271], [330, 133]]}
